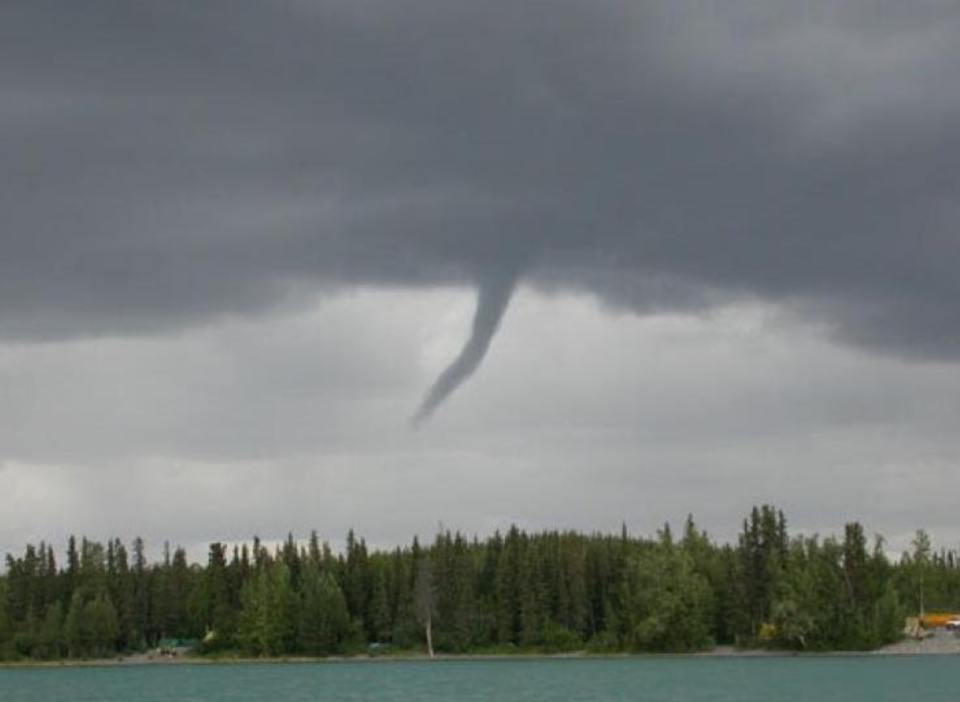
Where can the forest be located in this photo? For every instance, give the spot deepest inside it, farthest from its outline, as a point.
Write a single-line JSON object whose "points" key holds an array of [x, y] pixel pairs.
{"points": [[545, 592]]}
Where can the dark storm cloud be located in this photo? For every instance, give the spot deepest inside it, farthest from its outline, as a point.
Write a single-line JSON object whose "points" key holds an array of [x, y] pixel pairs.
{"points": [[166, 162]]}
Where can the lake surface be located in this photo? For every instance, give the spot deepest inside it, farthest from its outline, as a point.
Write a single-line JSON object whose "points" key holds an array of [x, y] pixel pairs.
{"points": [[873, 679]]}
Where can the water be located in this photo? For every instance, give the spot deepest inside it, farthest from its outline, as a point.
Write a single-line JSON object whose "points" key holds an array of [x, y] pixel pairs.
{"points": [[877, 679]]}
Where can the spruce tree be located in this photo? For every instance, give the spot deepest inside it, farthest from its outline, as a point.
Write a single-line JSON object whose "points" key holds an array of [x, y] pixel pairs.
{"points": [[49, 642], [6, 623], [324, 623]]}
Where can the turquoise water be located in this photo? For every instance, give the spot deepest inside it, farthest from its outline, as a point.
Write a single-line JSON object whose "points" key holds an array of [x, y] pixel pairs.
{"points": [[914, 679]]}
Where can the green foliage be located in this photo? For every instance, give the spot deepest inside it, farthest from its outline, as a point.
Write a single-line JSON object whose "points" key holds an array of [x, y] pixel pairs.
{"points": [[762, 551], [603, 642], [49, 641], [268, 618], [324, 627], [666, 604], [556, 638], [550, 591], [218, 610], [837, 596], [91, 627], [6, 624], [454, 582], [889, 616]]}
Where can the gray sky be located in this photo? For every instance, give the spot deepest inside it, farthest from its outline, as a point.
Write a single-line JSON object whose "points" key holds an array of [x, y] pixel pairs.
{"points": [[240, 241]]}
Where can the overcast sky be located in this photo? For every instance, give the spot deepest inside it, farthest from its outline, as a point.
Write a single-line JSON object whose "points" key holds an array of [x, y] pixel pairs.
{"points": [[282, 265]]}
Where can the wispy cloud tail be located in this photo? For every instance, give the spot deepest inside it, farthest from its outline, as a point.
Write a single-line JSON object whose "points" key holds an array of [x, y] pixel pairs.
{"points": [[493, 298]]}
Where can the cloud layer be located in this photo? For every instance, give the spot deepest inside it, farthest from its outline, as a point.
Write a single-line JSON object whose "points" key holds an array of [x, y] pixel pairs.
{"points": [[299, 422], [167, 163], [239, 238]]}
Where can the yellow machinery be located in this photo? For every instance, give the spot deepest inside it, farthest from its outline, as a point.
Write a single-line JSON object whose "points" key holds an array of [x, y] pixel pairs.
{"points": [[937, 620]]}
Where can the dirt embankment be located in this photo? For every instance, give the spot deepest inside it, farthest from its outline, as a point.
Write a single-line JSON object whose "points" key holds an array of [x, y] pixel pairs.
{"points": [[941, 642]]}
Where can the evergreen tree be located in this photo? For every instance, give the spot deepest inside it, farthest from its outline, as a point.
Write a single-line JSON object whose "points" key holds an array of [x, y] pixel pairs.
{"points": [[508, 601], [549, 591], [921, 562], [356, 583], [324, 623], [101, 626], [72, 576], [124, 597], [267, 624], [141, 588], [49, 643], [91, 628], [6, 624], [219, 610], [666, 604], [381, 624]]}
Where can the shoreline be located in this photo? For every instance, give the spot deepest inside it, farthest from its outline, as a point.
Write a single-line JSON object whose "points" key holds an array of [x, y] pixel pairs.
{"points": [[907, 648]]}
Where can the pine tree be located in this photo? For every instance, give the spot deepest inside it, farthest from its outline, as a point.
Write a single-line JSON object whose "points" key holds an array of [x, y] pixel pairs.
{"points": [[533, 615], [219, 610], [141, 588], [91, 628], [74, 627], [666, 604], [123, 595], [508, 597], [48, 644], [356, 582], [101, 625], [549, 590], [73, 571], [267, 622], [324, 623], [6, 624], [381, 624]]}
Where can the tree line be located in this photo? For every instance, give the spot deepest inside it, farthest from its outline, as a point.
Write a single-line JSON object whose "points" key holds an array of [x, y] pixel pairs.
{"points": [[549, 591]]}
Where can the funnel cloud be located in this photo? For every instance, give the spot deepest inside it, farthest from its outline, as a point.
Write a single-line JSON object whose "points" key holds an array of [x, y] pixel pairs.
{"points": [[493, 297], [727, 233], [168, 165]]}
